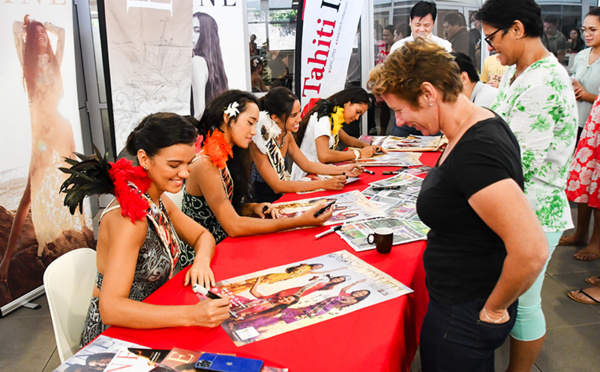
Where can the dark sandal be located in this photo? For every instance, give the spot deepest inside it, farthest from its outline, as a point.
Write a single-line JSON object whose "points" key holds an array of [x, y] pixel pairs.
{"points": [[595, 302]]}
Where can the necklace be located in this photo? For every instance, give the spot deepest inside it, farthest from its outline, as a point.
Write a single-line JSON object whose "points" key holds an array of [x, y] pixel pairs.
{"points": [[279, 146]]}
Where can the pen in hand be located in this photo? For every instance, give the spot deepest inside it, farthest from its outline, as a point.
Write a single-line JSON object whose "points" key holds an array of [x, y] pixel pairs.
{"points": [[322, 210], [198, 289]]}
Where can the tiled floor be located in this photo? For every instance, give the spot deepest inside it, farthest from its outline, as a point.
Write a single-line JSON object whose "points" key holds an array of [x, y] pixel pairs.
{"points": [[572, 342]]}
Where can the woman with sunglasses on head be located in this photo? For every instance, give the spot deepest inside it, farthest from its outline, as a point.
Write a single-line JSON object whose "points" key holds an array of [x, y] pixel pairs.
{"points": [[216, 193], [321, 129], [537, 101], [274, 139], [138, 237]]}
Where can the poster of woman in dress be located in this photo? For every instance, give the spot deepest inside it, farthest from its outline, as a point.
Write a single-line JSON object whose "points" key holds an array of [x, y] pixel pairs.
{"points": [[35, 226]]}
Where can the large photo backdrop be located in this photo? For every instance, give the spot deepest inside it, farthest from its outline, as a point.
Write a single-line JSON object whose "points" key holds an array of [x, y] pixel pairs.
{"points": [[220, 56], [40, 127], [149, 49], [174, 57]]}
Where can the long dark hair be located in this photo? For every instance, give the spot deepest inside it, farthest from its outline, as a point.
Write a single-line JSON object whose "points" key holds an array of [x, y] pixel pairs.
{"points": [[291, 269], [31, 57], [326, 106], [240, 164], [279, 102], [208, 47]]}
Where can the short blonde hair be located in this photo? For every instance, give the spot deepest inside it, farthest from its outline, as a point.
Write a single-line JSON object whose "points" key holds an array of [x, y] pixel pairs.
{"points": [[404, 72]]}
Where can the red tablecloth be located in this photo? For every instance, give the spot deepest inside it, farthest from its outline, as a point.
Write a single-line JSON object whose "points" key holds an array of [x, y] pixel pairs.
{"points": [[383, 337]]}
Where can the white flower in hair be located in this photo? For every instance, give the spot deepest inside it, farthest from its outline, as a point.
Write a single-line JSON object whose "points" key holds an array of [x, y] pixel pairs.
{"points": [[266, 129], [232, 109]]}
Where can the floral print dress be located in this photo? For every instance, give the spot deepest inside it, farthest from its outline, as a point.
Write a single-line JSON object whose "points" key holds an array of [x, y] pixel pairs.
{"points": [[539, 107], [582, 186]]}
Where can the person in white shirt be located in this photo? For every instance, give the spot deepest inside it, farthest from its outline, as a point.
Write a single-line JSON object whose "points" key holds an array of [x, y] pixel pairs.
{"points": [[422, 20], [481, 94]]}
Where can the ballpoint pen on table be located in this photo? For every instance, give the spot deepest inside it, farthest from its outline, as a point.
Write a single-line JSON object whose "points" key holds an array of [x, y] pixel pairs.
{"points": [[368, 171], [379, 188], [327, 232]]}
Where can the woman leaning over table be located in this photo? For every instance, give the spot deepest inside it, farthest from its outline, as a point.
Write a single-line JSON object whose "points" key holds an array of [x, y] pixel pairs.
{"points": [[480, 255], [321, 129], [138, 237], [274, 139], [216, 192], [537, 101]]}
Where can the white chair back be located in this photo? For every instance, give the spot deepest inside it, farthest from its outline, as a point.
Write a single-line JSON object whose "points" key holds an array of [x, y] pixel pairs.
{"points": [[69, 282]]}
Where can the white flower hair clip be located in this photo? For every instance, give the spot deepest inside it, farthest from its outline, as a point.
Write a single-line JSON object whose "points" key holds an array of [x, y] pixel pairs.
{"points": [[232, 109]]}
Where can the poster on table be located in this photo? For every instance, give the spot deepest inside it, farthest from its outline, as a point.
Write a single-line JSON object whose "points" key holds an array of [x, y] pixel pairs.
{"points": [[348, 207], [40, 127], [326, 30], [278, 300], [97, 353], [149, 49], [405, 231]]}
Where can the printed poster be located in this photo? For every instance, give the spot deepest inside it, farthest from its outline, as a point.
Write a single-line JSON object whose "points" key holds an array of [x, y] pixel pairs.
{"points": [[149, 52], [40, 127], [281, 299], [348, 207], [405, 231], [98, 354]]}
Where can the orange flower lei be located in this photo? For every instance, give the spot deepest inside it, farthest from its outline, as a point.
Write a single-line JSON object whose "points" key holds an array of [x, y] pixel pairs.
{"points": [[217, 149]]}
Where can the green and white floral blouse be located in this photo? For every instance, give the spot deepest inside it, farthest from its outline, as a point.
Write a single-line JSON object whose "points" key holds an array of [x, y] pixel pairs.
{"points": [[539, 106]]}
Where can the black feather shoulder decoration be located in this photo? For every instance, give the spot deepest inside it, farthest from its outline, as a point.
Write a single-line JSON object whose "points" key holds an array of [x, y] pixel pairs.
{"points": [[87, 176]]}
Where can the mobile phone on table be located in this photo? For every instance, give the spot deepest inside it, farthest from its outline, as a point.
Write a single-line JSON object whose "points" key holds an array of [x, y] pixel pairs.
{"points": [[227, 363], [322, 210]]}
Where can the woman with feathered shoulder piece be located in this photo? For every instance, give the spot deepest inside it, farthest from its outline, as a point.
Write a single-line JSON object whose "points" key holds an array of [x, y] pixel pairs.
{"points": [[138, 238]]}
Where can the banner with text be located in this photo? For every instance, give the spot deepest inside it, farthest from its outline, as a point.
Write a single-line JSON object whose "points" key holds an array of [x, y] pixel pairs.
{"points": [[328, 28]]}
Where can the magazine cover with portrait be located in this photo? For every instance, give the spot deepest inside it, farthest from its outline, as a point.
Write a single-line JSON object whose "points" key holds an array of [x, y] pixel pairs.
{"points": [[278, 300], [40, 128]]}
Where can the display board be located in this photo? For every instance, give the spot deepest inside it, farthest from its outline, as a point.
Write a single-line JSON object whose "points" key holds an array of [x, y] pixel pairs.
{"points": [[40, 128]]}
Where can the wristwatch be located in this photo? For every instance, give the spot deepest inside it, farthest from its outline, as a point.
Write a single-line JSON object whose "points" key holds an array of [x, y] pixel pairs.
{"points": [[356, 154]]}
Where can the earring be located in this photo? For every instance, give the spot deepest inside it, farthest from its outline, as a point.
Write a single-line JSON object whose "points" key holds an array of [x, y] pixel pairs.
{"points": [[430, 103], [145, 168]]}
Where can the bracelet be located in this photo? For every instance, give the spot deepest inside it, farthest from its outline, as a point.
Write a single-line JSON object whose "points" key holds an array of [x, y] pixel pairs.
{"points": [[356, 154], [493, 321]]}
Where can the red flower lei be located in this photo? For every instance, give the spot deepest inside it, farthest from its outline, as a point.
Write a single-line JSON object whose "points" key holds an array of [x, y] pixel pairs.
{"points": [[130, 183], [217, 149]]}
